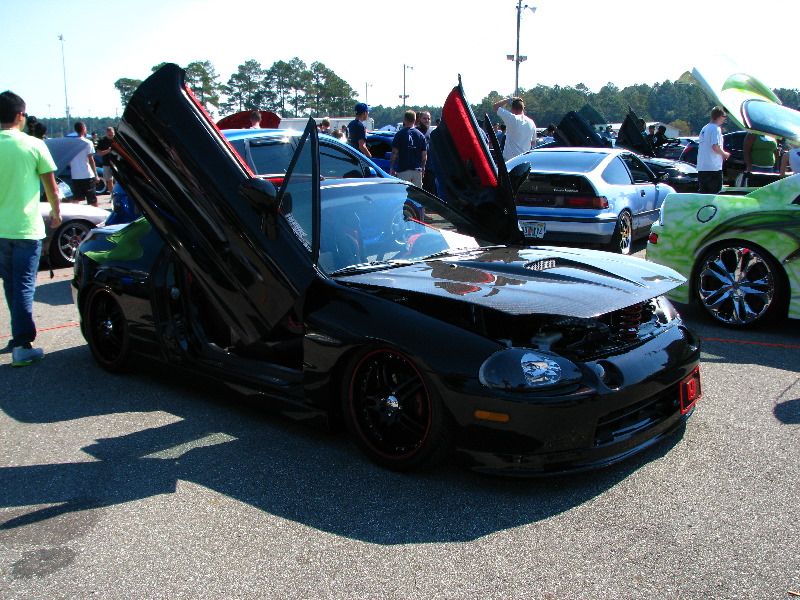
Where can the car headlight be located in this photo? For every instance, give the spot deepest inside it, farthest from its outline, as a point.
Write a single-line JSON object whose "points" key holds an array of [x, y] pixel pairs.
{"points": [[523, 369]]}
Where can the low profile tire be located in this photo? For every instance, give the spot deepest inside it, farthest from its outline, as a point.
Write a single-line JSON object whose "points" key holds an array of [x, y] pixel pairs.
{"points": [[740, 285], [395, 416], [100, 186], [622, 240], [107, 331], [65, 242]]}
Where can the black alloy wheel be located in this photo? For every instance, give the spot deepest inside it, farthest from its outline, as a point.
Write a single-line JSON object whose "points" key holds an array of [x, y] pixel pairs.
{"points": [[740, 285], [622, 240], [395, 417], [65, 242], [106, 331]]}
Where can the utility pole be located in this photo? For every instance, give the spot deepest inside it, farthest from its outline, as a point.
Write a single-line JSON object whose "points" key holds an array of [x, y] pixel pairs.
{"points": [[404, 96], [64, 68], [516, 57]]}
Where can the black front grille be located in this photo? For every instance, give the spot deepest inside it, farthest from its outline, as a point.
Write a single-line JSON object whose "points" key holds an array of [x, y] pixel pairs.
{"points": [[628, 421]]}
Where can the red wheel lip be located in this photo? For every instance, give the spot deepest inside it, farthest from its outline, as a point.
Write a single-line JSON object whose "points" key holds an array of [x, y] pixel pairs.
{"points": [[368, 442]]}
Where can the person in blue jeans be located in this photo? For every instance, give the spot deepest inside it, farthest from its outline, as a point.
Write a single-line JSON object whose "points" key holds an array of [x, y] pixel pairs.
{"points": [[25, 165]]}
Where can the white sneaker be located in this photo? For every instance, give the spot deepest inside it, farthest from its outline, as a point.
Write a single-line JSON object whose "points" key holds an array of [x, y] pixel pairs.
{"points": [[22, 357]]}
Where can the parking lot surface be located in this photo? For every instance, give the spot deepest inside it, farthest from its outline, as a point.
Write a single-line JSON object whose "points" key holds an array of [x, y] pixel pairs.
{"points": [[152, 485]]}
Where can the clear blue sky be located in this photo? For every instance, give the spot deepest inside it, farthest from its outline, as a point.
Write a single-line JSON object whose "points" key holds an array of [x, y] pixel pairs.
{"points": [[566, 42]]}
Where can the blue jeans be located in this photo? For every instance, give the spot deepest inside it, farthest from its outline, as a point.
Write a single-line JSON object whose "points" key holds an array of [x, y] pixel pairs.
{"points": [[19, 264]]}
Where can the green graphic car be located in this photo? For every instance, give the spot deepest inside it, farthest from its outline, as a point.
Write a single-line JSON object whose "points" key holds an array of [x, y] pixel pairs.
{"points": [[738, 253]]}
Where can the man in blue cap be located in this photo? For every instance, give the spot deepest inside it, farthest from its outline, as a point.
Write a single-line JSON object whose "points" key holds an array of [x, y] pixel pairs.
{"points": [[357, 132]]}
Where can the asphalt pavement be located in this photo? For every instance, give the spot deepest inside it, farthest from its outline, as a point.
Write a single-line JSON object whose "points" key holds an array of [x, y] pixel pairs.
{"points": [[151, 485]]}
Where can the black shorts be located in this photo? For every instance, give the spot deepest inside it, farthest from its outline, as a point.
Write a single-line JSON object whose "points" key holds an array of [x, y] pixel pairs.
{"points": [[84, 189], [709, 182]]}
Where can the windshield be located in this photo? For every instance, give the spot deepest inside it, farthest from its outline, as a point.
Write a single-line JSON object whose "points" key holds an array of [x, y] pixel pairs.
{"points": [[368, 225]]}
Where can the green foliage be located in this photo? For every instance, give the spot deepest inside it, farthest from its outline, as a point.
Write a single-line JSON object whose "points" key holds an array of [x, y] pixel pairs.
{"points": [[294, 89], [202, 80], [126, 87]]}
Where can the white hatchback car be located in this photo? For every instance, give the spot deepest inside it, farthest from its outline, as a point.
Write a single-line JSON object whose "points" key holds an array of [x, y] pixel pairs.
{"points": [[588, 196]]}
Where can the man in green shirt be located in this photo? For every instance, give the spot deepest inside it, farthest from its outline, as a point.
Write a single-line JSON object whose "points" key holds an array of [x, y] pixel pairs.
{"points": [[25, 163]]}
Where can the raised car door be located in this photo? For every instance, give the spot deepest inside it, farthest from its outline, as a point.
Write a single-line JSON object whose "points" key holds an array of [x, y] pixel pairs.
{"points": [[631, 137], [221, 221], [474, 185], [574, 130]]}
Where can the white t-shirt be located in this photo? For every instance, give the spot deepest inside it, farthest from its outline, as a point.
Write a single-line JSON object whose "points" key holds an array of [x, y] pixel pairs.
{"points": [[794, 160], [707, 159], [80, 164], [520, 133]]}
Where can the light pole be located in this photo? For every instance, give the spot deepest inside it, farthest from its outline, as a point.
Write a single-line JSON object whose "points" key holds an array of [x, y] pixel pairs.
{"points": [[516, 57], [405, 96], [366, 92], [64, 68]]}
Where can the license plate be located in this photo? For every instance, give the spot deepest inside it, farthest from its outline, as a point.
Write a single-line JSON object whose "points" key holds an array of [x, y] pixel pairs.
{"points": [[533, 229]]}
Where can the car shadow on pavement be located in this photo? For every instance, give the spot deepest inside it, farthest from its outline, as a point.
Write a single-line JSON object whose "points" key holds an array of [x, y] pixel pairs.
{"points": [[221, 441], [54, 292]]}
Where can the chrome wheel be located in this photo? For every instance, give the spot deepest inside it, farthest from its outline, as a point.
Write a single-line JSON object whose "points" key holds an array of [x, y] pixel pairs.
{"points": [[65, 242], [738, 285], [622, 241]]}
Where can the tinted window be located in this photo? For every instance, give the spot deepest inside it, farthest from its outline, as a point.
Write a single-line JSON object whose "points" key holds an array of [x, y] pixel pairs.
{"points": [[379, 146], [574, 162], [297, 195], [616, 173], [338, 163], [639, 172], [271, 156]]}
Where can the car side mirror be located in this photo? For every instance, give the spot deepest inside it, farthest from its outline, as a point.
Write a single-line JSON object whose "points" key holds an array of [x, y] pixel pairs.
{"points": [[264, 198], [663, 178]]}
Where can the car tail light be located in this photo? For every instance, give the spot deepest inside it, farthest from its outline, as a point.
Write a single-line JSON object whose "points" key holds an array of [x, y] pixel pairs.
{"points": [[585, 202], [653, 239], [690, 391]]}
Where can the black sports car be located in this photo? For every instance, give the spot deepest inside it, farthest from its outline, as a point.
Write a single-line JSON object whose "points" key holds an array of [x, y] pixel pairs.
{"points": [[442, 335]]}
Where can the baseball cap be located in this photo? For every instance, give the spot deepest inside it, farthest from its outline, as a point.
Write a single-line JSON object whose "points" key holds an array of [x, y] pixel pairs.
{"points": [[362, 107]]}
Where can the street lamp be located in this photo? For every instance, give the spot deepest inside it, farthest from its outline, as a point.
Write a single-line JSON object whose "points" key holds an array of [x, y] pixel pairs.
{"points": [[405, 96], [64, 68], [366, 92], [516, 57]]}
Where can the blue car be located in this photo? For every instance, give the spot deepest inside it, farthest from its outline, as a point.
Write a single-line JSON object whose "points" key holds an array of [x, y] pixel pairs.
{"points": [[268, 153]]}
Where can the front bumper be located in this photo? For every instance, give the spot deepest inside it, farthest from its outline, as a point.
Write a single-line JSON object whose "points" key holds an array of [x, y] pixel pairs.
{"points": [[593, 426]]}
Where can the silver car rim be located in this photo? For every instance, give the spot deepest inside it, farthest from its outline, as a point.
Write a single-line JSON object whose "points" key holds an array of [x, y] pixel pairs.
{"points": [[69, 238], [736, 285]]}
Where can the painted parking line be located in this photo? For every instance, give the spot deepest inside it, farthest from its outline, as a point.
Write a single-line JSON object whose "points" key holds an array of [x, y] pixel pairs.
{"points": [[46, 329], [745, 342]]}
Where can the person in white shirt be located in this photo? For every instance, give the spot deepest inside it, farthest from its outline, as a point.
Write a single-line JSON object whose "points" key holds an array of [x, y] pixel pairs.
{"points": [[711, 154], [83, 169], [520, 129]]}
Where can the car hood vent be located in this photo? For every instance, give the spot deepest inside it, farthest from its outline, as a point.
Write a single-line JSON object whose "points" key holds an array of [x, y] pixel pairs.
{"points": [[542, 265]]}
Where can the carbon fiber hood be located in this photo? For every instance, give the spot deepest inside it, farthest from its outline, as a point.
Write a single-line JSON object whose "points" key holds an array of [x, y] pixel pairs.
{"points": [[556, 281]]}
